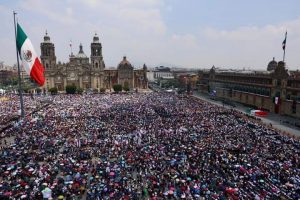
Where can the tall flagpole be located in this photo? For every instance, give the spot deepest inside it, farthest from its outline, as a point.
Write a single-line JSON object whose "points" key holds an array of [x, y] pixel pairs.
{"points": [[284, 47], [71, 48], [283, 54], [19, 72]]}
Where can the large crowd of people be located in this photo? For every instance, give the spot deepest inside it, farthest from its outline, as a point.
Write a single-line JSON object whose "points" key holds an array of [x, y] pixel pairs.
{"points": [[145, 146], [10, 107]]}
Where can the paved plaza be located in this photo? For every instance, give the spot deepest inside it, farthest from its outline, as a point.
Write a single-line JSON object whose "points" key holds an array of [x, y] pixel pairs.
{"points": [[142, 146]]}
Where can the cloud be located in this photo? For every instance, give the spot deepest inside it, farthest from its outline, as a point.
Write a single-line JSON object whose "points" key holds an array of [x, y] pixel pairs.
{"points": [[254, 33], [146, 21], [122, 3], [187, 40], [253, 45], [7, 36], [143, 31], [50, 9], [133, 15], [249, 33]]}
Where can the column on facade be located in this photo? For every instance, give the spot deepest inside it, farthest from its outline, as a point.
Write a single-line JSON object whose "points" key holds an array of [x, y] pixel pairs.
{"points": [[93, 85], [94, 82], [52, 84], [100, 81], [64, 83], [80, 82], [133, 82], [103, 81]]}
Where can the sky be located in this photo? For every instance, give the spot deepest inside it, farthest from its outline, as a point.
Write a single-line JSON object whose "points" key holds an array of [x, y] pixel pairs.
{"points": [[232, 34]]}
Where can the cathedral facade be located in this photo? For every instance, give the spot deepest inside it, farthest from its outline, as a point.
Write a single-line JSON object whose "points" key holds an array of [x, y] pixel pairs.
{"points": [[88, 73]]}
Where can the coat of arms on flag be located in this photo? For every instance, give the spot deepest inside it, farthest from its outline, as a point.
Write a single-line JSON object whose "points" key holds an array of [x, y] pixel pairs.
{"points": [[29, 58]]}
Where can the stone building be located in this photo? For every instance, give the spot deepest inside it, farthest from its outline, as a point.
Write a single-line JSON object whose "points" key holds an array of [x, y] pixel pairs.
{"points": [[7, 76], [276, 89], [88, 73]]}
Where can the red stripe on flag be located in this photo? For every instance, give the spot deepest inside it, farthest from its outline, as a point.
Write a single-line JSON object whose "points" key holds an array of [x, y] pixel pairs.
{"points": [[37, 72]]}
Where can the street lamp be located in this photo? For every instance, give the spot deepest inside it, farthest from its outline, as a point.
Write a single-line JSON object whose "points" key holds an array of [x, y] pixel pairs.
{"points": [[110, 81], [185, 78]]}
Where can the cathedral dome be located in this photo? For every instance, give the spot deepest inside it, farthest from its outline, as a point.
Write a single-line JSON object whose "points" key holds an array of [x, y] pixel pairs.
{"points": [[124, 63], [81, 54], [272, 65]]}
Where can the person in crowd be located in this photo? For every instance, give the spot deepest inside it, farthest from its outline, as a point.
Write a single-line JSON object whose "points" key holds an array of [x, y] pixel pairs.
{"points": [[143, 146]]}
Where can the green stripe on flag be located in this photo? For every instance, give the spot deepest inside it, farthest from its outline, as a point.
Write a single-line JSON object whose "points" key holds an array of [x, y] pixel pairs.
{"points": [[21, 37]]}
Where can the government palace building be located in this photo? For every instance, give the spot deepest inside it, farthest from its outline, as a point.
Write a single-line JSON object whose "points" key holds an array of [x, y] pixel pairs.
{"points": [[275, 89], [88, 73]]}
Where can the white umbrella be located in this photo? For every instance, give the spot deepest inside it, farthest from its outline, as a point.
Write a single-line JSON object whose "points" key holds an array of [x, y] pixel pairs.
{"points": [[47, 193]]}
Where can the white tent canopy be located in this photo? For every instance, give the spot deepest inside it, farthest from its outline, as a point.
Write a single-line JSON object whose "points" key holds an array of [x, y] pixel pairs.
{"points": [[2, 91]]}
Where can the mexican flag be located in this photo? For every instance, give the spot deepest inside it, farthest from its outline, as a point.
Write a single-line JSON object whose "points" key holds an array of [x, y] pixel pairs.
{"points": [[29, 58]]}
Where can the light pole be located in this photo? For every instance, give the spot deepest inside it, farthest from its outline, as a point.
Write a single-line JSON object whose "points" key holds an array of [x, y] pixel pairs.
{"points": [[110, 82], [186, 89], [90, 77]]}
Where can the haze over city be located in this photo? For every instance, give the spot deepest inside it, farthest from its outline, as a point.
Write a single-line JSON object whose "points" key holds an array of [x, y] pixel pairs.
{"points": [[192, 33]]}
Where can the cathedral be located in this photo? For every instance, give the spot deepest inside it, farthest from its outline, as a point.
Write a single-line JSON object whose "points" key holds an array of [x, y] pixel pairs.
{"points": [[88, 73]]}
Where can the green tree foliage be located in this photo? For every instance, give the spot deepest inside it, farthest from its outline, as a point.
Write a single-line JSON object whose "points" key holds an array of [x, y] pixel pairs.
{"points": [[126, 86], [11, 81], [175, 83], [70, 89], [79, 90], [117, 88], [53, 90]]}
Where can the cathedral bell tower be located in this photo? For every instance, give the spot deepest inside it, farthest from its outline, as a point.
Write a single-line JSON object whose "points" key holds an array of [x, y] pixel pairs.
{"points": [[96, 54], [48, 57]]}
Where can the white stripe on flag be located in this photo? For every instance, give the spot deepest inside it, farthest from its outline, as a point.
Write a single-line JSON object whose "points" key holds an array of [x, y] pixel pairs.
{"points": [[28, 64]]}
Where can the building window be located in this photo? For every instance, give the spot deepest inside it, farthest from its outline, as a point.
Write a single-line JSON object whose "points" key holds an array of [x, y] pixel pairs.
{"points": [[278, 82]]}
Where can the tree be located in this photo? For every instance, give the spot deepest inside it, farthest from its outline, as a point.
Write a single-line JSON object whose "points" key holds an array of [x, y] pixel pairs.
{"points": [[117, 88], [126, 86], [53, 90], [79, 90], [70, 89], [26, 88], [170, 83]]}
